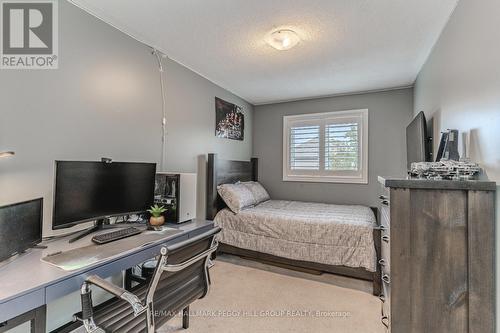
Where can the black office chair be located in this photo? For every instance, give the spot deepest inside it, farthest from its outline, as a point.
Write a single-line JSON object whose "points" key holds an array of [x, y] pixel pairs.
{"points": [[180, 278]]}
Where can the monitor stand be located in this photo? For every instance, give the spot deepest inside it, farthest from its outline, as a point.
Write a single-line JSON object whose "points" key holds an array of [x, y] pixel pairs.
{"points": [[99, 224]]}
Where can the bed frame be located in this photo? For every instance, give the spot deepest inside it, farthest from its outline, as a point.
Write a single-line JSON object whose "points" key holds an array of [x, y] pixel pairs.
{"points": [[226, 172]]}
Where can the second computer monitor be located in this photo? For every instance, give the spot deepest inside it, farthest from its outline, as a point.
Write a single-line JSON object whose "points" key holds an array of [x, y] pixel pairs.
{"points": [[20, 227]]}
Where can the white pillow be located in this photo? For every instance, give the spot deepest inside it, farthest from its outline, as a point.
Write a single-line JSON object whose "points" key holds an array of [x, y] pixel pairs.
{"points": [[236, 196], [259, 192]]}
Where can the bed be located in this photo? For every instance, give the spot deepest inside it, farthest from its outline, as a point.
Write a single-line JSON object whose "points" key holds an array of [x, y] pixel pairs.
{"points": [[311, 237]]}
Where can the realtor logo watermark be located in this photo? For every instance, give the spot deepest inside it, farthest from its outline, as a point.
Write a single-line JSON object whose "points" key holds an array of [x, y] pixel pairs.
{"points": [[29, 34]]}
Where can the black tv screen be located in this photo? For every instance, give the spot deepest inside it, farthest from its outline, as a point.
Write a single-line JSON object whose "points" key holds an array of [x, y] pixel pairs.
{"points": [[20, 227], [87, 191], [417, 149]]}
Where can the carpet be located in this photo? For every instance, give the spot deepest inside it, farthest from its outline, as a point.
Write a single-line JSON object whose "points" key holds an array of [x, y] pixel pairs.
{"points": [[252, 297]]}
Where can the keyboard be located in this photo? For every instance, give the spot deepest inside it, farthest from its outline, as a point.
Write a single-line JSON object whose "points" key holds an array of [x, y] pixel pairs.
{"points": [[115, 235]]}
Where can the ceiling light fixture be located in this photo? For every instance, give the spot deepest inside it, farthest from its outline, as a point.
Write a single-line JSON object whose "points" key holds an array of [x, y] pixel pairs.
{"points": [[283, 39], [6, 153]]}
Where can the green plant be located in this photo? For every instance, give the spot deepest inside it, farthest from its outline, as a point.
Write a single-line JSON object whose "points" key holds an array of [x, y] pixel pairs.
{"points": [[156, 210]]}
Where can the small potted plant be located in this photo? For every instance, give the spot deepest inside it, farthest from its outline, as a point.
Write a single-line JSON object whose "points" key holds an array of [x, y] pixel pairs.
{"points": [[156, 212]]}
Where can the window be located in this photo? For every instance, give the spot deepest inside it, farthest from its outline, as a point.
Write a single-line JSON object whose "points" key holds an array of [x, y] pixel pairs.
{"points": [[326, 147]]}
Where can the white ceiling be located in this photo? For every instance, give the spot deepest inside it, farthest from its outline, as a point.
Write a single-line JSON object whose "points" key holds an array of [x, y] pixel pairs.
{"points": [[347, 45]]}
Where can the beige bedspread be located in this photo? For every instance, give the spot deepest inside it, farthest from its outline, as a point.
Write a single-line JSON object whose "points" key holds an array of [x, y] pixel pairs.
{"points": [[322, 233]]}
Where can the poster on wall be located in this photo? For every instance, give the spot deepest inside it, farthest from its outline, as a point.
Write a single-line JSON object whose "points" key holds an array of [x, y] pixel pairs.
{"points": [[229, 120]]}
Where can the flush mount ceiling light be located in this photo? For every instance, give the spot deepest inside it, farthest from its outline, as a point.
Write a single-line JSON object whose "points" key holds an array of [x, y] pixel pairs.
{"points": [[283, 39], [6, 153]]}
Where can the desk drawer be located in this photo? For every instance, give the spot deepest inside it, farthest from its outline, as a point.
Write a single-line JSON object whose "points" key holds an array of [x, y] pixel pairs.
{"points": [[22, 304]]}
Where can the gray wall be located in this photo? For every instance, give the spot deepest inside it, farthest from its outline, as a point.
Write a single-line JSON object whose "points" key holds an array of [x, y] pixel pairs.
{"points": [[389, 113], [104, 100], [459, 86]]}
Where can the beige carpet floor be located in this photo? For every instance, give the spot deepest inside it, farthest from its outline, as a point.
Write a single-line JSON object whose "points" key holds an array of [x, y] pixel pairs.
{"points": [[251, 297]]}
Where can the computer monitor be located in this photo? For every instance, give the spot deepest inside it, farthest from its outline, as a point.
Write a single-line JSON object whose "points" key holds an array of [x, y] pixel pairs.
{"points": [[417, 141], [20, 227], [90, 191]]}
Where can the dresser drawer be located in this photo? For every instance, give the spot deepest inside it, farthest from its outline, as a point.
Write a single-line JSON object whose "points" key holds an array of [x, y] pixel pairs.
{"points": [[385, 215], [386, 277], [386, 291], [385, 252], [386, 305]]}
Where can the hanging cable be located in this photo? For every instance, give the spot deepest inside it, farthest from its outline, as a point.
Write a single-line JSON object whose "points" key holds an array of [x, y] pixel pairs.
{"points": [[159, 56]]}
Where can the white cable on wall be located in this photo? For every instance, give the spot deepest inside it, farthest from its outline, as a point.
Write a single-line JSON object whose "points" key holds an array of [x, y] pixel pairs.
{"points": [[159, 57]]}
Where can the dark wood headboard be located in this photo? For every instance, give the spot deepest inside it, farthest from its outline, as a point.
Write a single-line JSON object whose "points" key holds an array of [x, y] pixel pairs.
{"points": [[226, 172]]}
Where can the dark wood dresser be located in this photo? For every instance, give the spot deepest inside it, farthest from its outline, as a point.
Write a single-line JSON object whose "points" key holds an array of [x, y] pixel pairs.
{"points": [[437, 256]]}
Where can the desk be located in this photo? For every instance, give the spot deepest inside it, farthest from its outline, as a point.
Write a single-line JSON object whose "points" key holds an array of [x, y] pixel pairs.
{"points": [[27, 284]]}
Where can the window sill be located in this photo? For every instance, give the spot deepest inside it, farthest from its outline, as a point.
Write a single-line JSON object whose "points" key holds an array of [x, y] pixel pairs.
{"points": [[325, 179]]}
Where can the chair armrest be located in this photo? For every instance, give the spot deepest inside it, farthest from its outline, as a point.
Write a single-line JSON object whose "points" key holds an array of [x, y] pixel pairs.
{"points": [[119, 292], [106, 285]]}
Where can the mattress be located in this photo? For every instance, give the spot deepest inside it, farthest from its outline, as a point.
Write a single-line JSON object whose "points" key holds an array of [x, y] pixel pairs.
{"points": [[315, 232]]}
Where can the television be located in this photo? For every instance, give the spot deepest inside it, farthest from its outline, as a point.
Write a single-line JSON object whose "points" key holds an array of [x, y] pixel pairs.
{"points": [[417, 141], [20, 227], [93, 191]]}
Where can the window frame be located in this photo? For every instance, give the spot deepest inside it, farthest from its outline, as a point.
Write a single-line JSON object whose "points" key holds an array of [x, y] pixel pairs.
{"points": [[322, 175]]}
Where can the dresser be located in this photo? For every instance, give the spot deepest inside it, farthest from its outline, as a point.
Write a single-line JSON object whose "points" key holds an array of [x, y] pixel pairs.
{"points": [[437, 255]]}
